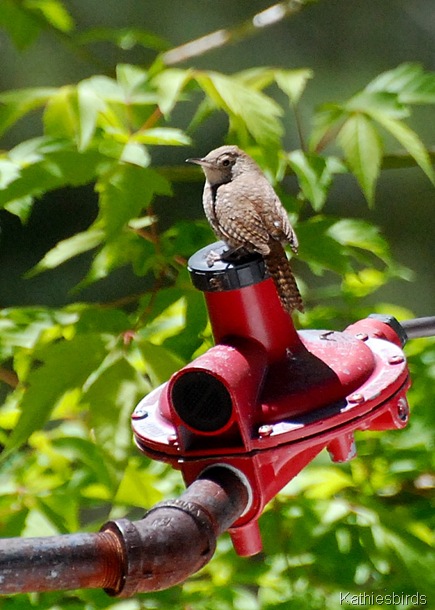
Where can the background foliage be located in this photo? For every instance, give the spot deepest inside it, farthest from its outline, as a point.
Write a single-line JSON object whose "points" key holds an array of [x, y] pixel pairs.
{"points": [[72, 372]]}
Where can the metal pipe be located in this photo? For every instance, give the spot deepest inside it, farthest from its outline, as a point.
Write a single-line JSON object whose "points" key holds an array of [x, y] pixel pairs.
{"points": [[419, 327], [75, 561], [171, 542]]}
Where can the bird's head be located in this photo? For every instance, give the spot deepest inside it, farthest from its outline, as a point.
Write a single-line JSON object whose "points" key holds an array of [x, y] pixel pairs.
{"points": [[225, 163]]}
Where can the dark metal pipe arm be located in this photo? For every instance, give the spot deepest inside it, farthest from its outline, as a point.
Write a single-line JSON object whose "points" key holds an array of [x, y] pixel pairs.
{"points": [[419, 327], [173, 541]]}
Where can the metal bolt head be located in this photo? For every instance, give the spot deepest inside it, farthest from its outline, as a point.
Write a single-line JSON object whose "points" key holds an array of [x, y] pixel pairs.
{"points": [[396, 359], [265, 430], [327, 335], [362, 336], [356, 398], [403, 410], [139, 413]]}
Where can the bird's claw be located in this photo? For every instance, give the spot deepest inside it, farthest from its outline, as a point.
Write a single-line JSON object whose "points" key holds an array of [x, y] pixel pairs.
{"points": [[212, 257]]}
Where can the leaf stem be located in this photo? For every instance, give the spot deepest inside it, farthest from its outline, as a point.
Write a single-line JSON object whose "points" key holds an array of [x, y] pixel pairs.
{"points": [[299, 128], [152, 119]]}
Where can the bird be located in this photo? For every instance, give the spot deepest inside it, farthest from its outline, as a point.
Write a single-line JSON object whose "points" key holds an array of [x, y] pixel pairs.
{"points": [[245, 212]]}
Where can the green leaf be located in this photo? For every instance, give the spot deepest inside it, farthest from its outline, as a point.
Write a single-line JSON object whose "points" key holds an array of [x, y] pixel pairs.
{"points": [[319, 249], [362, 148], [376, 102], [120, 250], [323, 483], [360, 234], [184, 237], [107, 102], [161, 363], [54, 13], [363, 240], [46, 164], [155, 305], [190, 338], [111, 398], [24, 326], [95, 319], [63, 366], [131, 78], [106, 88], [314, 174], [61, 114], [361, 283], [86, 452], [163, 136], [32, 151], [327, 122], [20, 207], [204, 110], [125, 192], [167, 322], [9, 171], [68, 248], [20, 24], [169, 85], [246, 107], [130, 88], [410, 141], [15, 104], [258, 77], [138, 487], [89, 106], [409, 81], [136, 154], [293, 82]]}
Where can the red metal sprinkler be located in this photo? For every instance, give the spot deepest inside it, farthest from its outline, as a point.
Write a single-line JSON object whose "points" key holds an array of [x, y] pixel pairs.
{"points": [[267, 399]]}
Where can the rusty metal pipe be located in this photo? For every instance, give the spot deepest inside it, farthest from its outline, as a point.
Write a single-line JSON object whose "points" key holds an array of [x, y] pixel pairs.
{"points": [[174, 540], [72, 561]]}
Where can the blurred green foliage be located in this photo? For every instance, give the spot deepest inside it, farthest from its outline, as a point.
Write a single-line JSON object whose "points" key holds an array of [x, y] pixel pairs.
{"points": [[72, 375]]}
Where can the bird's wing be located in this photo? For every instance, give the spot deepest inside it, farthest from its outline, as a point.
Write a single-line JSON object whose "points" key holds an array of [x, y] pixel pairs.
{"points": [[240, 223], [259, 195], [283, 225]]}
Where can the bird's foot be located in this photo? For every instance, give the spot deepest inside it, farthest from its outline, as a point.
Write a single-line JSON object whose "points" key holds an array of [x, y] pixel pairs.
{"points": [[234, 254], [212, 257], [229, 255]]}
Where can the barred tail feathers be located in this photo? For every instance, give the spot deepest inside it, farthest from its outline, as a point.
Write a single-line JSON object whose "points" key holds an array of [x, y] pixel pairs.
{"points": [[280, 271]]}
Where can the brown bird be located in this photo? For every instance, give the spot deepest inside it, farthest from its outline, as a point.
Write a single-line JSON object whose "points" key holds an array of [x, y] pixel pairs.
{"points": [[245, 212]]}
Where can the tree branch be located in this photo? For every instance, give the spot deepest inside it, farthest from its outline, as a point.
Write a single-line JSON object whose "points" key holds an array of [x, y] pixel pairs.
{"points": [[219, 38], [181, 173]]}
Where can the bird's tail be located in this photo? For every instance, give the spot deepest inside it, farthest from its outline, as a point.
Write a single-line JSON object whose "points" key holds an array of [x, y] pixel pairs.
{"points": [[280, 271]]}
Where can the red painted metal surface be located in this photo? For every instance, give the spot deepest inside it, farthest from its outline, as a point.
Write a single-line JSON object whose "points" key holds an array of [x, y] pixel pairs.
{"points": [[253, 312], [291, 394]]}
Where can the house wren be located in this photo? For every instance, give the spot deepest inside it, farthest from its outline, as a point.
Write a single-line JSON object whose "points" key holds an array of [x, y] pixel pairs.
{"points": [[246, 213]]}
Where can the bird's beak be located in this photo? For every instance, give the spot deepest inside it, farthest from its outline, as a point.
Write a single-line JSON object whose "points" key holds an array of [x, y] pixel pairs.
{"points": [[197, 161]]}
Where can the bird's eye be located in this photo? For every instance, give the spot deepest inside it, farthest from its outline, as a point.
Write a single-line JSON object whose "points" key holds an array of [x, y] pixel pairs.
{"points": [[225, 162]]}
